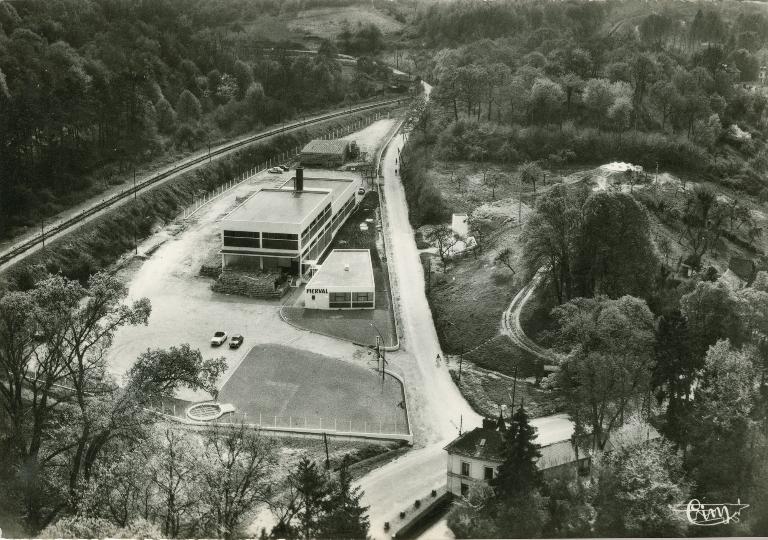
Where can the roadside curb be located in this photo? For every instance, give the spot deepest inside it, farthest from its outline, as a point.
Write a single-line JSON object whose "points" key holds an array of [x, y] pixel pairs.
{"points": [[394, 285]]}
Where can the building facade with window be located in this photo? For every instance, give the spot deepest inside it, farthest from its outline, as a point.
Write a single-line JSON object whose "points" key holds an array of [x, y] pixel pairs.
{"points": [[344, 281], [475, 456], [287, 229]]}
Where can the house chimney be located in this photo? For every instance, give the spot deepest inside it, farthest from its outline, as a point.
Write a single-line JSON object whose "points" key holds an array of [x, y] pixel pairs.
{"points": [[346, 268], [298, 184]]}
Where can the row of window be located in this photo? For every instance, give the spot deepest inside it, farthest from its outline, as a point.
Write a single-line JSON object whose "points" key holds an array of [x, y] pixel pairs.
{"points": [[347, 297], [316, 224], [343, 212], [240, 234], [242, 242], [268, 240], [487, 471]]}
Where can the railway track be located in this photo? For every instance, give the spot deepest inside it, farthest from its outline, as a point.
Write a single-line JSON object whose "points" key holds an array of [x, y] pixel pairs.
{"points": [[24, 247]]}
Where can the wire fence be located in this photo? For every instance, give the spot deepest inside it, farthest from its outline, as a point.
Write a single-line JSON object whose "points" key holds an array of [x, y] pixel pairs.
{"points": [[384, 425], [279, 159]]}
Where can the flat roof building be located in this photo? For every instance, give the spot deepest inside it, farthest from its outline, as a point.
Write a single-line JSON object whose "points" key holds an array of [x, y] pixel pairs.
{"points": [[288, 228], [344, 281]]}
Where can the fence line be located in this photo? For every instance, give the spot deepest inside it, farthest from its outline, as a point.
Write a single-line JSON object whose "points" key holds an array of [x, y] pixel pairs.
{"points": [[330, 424], [286, 155]]}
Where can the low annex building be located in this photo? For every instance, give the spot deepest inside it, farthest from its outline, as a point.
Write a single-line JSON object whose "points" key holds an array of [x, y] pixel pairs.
{"points": [[288, 228], [343, 281], [474, 456], [325, 153]]}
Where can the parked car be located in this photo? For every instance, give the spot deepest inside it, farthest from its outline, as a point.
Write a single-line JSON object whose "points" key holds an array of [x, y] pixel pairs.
{"points": [[286, 168], [236, 341], [276, 170], [361, 191], [218, 338]]}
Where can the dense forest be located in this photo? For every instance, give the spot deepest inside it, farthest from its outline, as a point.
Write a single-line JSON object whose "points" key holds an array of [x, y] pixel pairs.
{"points": [[90, 89]]}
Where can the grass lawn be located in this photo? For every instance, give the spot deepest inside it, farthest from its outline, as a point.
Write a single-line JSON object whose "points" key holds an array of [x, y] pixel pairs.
{"points": [[486, 390], [354, 324], [328, 22], [290, 387]]}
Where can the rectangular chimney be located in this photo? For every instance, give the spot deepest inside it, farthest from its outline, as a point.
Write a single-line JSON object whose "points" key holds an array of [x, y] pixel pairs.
{"points": [[298, 184]]}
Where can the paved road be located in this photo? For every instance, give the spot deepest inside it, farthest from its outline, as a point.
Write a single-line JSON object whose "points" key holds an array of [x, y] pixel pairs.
{"points": [[435, 403]]}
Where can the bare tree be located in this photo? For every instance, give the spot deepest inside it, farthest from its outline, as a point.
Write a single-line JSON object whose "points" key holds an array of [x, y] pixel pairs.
{"points": [[237, 471], [444, 239], [506, 258], [530, 173], [494, 180]]}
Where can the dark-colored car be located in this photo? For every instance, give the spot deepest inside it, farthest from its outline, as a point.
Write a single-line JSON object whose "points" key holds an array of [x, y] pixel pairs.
{"points": [[285, 167], [235, 341]]}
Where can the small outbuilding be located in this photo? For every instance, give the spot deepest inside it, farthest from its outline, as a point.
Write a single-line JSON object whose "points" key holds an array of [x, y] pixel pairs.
{"points": [[343, 281], [325, 153]]}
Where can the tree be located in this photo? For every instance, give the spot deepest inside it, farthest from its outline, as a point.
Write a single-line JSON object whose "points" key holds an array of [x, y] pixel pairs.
{"points": [[237, 468], [546, 101], [675, 372], [530, 172], [606, 375], [494, 179], [176, 477], [301, 509], [598, 98], [550, 236], [638, 487], [444, 239], [711, 312], [616, 255], [518, 473], [166, 116], [721, 456], [243, 77], [344, 515], [702, 218], [664, 97], [506, 257], [60, 338], [188, 107]]}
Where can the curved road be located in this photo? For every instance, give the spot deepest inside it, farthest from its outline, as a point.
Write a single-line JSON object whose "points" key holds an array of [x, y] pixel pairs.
{"points": [[510, 323]]}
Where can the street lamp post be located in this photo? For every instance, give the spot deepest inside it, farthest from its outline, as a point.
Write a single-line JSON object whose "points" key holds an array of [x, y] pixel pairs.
{"points": [[380, 351]]}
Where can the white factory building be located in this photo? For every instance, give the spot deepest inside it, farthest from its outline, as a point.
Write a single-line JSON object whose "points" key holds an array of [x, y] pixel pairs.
{"points": [[288, 228], [343, 281]]}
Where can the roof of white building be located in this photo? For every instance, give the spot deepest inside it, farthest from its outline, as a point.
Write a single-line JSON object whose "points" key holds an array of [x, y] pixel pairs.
{"points": [[344, 267], [279, 206]]}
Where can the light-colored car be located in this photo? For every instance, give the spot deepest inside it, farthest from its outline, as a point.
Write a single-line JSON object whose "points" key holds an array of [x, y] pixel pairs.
{"points": [[276, 170], [218, 338]]}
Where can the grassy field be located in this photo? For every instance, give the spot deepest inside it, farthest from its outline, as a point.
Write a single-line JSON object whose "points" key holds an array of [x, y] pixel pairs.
{"points": [[290, 387], [487, 390], [327, 23], [355, 324]]}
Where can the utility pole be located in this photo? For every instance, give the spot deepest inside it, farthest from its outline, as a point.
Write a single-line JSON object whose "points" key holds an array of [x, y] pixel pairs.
{"points": [[134, 181], [461, 358], [327, 458], [42, 230]]}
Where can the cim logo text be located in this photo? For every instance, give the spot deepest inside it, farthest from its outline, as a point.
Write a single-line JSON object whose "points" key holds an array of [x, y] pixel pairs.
{"points": [[317, 291]]}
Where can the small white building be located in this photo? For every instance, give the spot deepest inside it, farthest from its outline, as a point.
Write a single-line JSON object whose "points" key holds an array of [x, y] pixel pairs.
{"points": [[343, 281], [460, 224]]}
